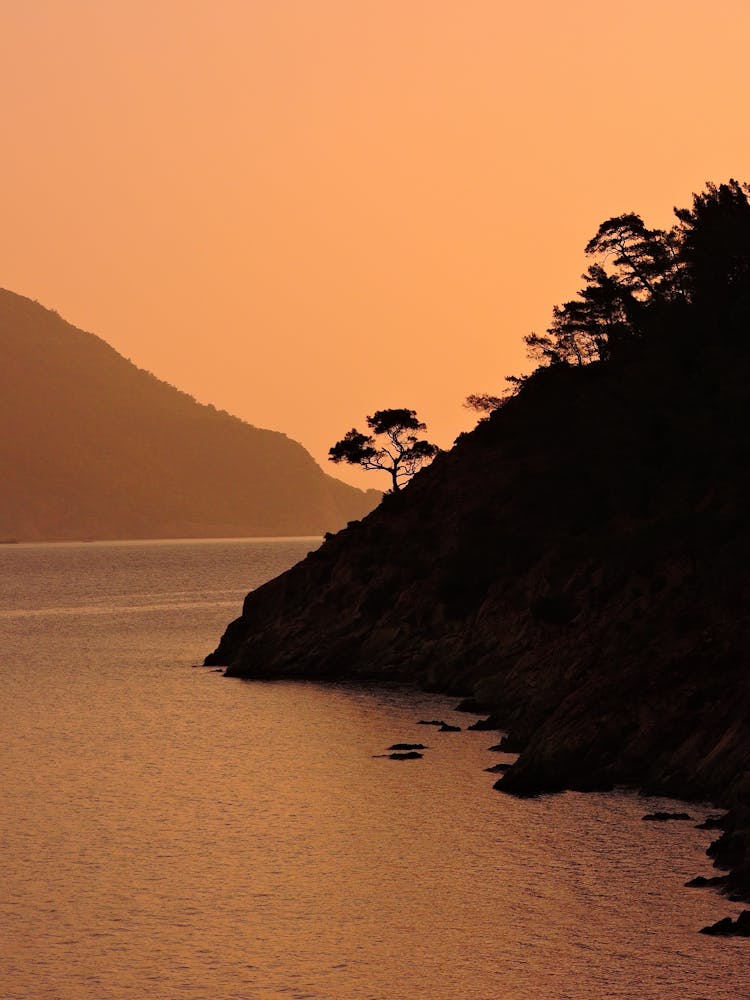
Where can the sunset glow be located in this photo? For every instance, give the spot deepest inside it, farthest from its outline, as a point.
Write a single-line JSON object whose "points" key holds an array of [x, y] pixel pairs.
{"points": [[304, 211], [374, 510]]}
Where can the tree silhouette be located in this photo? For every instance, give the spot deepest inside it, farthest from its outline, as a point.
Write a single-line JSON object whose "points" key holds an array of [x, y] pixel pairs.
{"points": [[643, 281], [715, 253], [640, 259], [483, 402], [400, 452]]}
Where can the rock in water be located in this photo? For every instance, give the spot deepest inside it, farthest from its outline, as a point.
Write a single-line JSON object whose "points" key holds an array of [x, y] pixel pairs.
{"points": [[701, 882], [730, 928], [662, 817], [712, 823], [473, 706], [485, 724]]}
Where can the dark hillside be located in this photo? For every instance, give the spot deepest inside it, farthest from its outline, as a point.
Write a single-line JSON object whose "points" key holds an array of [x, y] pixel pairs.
{"points": [[578, 563], [93, 447]]}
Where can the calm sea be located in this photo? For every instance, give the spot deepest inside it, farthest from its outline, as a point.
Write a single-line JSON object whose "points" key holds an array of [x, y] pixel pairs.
{"points": [[166, 832]]}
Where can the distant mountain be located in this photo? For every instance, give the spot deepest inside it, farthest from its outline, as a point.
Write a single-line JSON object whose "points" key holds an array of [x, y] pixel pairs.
{"points": [[94, 447]]}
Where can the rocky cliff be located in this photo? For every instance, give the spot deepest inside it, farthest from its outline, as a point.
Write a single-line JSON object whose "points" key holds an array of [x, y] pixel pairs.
{"points": [[93, 447], [578, 564]]}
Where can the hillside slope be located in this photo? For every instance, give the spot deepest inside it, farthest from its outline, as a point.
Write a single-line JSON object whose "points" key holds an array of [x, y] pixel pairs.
{"points": [[578, 563], [93, 447]]}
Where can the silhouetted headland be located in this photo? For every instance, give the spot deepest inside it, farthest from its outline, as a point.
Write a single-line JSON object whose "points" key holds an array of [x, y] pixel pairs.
{"points": [[578, 564], [93, 447]]}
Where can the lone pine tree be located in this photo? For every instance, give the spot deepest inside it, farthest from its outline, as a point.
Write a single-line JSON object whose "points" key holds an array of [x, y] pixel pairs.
{"points": [[393, 446]]}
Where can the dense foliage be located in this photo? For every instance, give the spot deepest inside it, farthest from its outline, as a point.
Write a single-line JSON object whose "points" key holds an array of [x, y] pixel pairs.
{"points": [[648, 286]]}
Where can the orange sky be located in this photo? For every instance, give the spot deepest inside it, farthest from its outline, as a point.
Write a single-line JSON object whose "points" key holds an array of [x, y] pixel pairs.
{"points": [[304, 210]]}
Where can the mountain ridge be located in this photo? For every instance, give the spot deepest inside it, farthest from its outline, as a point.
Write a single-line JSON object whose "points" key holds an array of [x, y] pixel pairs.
{"points": [[96, 447]]}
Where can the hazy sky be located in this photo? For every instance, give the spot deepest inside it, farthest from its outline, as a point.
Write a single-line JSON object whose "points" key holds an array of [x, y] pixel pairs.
{"points": [[304, 210]]}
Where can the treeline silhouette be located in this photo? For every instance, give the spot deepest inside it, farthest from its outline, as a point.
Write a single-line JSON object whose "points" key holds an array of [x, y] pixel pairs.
{"points": [[672, 290]]}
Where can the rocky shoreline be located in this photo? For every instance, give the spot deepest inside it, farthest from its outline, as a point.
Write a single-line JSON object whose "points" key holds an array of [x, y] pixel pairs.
{"points": [[728, 852], [591, 594]]}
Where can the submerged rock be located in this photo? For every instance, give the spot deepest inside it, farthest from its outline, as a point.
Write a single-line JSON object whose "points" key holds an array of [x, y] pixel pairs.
{"points": [[408, 746], [730, 928], [662, 817], [712, 823], [473, 705], [483, 724], [701, 882], [411, 755], [448, 728], [431, 722]]}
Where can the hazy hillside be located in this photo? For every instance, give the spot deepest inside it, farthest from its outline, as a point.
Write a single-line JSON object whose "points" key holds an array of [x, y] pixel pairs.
{"points": [[93, 447]]}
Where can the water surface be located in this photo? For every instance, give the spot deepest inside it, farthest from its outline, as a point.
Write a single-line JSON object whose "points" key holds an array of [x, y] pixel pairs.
{"points": [[166, 832]]}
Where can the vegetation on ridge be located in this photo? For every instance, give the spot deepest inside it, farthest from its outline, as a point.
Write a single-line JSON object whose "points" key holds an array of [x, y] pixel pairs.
{"points": [[658, 287], [578, 562]]}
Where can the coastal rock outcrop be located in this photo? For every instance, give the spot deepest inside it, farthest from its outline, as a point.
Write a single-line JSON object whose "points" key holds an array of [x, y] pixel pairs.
{"points": [[578, 564]]}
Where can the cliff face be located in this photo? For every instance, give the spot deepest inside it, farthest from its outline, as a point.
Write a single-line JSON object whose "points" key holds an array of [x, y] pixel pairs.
{"points": [[93, 447], [578, 563]]}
